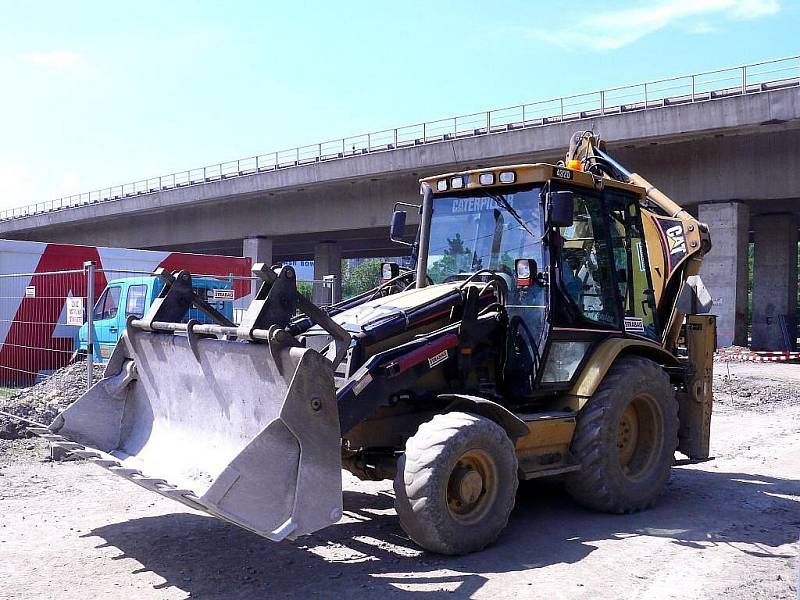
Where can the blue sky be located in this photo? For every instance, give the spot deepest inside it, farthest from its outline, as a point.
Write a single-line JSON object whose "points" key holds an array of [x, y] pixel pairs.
{"points": [[101, 93]]}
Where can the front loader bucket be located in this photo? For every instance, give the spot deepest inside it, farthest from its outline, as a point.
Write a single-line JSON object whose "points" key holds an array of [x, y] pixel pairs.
{"points": [[248, 432]]}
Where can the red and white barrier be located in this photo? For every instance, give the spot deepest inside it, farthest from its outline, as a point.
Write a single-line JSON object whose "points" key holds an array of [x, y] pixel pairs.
{"points": [[745, 355], [37, 280]]}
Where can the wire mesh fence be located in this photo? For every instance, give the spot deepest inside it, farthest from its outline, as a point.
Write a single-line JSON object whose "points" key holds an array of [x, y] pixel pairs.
{"points": [[40, 315], [49, 320]]}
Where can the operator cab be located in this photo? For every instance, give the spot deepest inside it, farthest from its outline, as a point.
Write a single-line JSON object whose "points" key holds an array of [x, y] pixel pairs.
{"points": [[571, 255]]}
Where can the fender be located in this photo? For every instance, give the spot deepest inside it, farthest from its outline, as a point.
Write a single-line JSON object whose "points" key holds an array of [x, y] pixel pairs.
{"points": [[603, 357], [514, 426]]}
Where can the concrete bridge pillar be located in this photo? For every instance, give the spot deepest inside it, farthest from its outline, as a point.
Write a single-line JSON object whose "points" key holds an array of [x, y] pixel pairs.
{"points": [[774, 281], [725, 270], [327, 261], [257, 249]]}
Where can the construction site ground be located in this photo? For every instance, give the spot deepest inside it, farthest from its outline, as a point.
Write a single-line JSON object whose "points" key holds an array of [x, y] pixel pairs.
{"points": [[724, 529]]}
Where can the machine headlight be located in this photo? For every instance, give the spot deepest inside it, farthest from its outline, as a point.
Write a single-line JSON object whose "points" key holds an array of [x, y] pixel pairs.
{"points": [[441, 185], [457, 183], [508, 177], [525, 270], [389, 271], [486, 178]]}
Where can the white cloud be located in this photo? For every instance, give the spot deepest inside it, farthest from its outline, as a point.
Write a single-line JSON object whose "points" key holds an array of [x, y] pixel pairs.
{"points": [[701, 27], [754, 9], [56, 59], [617, 28]]}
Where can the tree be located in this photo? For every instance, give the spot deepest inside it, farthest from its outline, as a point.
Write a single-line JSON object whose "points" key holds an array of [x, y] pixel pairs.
{"points": [[455, 259], [306, 288], [362, 278]]}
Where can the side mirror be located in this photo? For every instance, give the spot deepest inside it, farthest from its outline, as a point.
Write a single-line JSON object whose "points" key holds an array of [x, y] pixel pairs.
{"points": [[560, 208], [526, 270], [398, 225]]}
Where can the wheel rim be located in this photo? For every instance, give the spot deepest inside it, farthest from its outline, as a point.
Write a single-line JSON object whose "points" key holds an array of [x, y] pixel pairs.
{"points": [[638, 435], [472, 486]]}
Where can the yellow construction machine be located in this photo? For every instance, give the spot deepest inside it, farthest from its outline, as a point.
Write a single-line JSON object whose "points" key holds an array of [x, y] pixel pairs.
{"points": [[553, 326]]}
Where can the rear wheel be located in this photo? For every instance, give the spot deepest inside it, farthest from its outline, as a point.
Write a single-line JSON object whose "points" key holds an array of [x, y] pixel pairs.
{"points": [[625, 439], [456, 483]]}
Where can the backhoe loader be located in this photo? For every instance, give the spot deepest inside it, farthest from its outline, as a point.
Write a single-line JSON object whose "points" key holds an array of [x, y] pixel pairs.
{"points": [[553, 326]]}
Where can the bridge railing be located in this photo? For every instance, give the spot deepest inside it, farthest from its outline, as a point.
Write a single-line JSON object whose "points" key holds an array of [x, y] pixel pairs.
{"points": [[698, 87]]}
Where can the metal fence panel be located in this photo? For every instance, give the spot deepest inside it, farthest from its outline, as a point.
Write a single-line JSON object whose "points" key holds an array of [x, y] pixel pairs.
{"points": [[50, 319], [39, 323]]}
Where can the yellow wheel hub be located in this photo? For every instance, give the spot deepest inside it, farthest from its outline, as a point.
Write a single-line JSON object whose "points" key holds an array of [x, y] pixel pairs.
{"points": [[639, 436], [472, 486], [627, 434]]}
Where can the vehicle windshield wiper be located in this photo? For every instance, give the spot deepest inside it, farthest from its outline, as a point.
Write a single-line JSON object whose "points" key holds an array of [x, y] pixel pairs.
{"points": [[501, 200]]}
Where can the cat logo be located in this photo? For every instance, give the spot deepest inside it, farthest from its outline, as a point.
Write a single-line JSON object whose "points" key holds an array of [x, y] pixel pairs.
{"points": [[676, 239]]}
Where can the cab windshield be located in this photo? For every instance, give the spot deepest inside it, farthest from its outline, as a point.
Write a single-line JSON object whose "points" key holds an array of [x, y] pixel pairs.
{"points": [[485, 230]]}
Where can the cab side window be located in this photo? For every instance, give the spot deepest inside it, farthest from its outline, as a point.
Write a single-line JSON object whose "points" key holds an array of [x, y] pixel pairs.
{"points": [[630, 265], [585, 263], [137, 298], [108, 304]]}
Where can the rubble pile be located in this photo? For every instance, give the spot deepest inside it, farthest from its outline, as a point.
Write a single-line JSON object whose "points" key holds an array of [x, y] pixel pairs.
{"points": [[43, 401], [754, 393]]}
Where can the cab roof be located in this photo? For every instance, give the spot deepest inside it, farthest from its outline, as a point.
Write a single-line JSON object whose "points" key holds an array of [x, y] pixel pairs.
{"points": [[144, 278], [503, 176]]}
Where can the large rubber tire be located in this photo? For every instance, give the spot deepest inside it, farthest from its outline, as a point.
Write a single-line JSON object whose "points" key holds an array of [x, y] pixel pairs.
{"points": [[618, 474], [435, 462]]}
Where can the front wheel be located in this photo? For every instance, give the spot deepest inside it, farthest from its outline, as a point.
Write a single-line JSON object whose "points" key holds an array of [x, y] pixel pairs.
{"points": [[456, 483], [625, 439]]}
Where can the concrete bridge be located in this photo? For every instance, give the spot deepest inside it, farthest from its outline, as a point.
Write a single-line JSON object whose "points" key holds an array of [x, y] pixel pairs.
{"points": [[724, 144]]}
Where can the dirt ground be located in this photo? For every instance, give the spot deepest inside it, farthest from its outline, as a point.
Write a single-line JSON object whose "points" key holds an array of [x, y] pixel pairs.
{"points": [[725, 529]]}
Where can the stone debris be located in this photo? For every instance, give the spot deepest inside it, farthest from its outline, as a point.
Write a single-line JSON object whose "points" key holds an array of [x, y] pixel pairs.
{"points": [[43, 401], [759, 394]]}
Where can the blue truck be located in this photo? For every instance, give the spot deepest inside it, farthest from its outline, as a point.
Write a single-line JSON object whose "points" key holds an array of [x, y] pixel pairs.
{"points": [[133, 296]]}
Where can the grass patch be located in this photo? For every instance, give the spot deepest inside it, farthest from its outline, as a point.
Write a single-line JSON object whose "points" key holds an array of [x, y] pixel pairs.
{"points": [[7, 392]]}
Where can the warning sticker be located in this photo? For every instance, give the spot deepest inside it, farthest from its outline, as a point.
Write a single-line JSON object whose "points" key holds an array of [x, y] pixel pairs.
{"points": [[634, 325], [437, 358], [222, 294], [75, 311], [30, 291], [365, 380]]}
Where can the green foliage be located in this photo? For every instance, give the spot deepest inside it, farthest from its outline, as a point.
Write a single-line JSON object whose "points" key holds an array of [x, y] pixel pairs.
{"points": [[750, 253], [306, 288], [454, 260], [506, 260], [362, 278], [749, 283]]}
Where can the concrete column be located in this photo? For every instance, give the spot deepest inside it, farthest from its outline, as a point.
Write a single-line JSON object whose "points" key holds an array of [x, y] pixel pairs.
{"points": [[327, 261], [774, 281], [725, 271], [257, 249]]}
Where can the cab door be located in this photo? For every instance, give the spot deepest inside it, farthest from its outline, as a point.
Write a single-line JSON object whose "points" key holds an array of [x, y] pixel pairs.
{"points": [[631, 266], [601, 286], [585, 304]]}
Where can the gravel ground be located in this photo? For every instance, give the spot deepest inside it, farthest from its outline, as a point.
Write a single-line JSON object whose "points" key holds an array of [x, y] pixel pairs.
{"points": [[724, 529], [43, 401], [735, 386]]}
